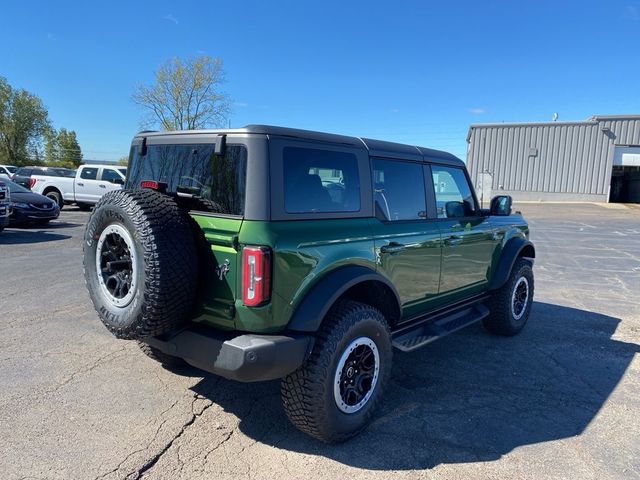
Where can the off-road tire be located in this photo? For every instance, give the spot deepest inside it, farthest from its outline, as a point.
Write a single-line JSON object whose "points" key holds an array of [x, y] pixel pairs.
{"points": [[165, 270], [168, 361], [308, 393], [501, 320], [56, 197]]}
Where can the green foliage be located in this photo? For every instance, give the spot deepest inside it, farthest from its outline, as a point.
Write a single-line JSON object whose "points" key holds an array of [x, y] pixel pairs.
{"points": [[24, 121], [61, 148], [123, 161], [186, 95]]}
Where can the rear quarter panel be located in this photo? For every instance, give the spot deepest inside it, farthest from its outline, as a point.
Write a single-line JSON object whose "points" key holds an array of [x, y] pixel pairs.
{"points": [[304, 251], [63, 184]]}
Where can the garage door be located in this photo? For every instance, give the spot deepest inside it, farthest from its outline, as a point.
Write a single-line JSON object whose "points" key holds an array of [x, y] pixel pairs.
{"points": [[627, 156]]}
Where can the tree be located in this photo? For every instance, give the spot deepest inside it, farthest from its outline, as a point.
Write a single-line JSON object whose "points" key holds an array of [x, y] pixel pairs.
{"points": [[24, 120], [61, 148], [186, 95], [123, 161]]}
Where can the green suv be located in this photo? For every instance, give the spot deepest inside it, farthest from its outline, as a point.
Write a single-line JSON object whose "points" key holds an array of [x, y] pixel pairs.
{"points": [[266, 252]]}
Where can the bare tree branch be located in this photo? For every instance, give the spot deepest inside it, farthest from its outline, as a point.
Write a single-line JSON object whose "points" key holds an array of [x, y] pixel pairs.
{"points": [[186, 95]]}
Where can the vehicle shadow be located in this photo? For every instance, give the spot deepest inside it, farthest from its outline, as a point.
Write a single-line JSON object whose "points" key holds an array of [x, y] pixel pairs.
{"points": [[19, 236], [470, 397], [49, 226]]}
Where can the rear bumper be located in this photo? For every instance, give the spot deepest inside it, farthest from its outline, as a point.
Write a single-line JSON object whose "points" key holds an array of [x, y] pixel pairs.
{"points": [[246, 357]]}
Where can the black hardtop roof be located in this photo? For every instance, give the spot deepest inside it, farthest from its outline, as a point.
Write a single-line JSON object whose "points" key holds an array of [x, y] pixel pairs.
{"points": [[378, 148]]}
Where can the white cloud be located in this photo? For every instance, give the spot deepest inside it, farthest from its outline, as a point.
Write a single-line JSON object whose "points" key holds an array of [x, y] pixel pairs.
{"points": [[477, 111], [169, 17]]}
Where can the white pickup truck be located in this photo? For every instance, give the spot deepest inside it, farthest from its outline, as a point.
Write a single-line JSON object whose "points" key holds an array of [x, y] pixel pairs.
{"points": [[85, 189]]}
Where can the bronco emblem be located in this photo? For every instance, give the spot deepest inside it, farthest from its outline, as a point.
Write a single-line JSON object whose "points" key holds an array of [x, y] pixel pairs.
{"points": [[223, 269]]}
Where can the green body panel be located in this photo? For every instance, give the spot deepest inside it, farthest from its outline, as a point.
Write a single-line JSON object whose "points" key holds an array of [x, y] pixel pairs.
{"points": [[427, 273], [303, 252], [218, 295], [414, 271], [467, 252]]}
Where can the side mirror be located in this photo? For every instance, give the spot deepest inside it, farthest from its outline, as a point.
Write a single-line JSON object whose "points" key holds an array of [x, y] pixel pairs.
{"points": [[454, 209], [117, 181], [501, 205]]}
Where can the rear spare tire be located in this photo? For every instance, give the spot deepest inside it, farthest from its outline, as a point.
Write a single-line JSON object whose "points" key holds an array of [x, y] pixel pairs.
{"points": [[140, 263]]}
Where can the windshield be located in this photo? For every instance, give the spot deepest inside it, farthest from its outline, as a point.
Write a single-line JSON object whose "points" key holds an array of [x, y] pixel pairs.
{"points": [[11, 169], [194, 170], [14, 187]]}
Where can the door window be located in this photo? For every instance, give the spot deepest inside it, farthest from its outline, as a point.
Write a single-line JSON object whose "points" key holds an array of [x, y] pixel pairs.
{"points": [[320, 181], [110, 175], [398, 190], [453, 193], [89, 173]]}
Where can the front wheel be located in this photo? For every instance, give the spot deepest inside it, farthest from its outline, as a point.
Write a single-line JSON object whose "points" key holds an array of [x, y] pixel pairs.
{"points": [[56, 197], [510, 305], [335, 393]]}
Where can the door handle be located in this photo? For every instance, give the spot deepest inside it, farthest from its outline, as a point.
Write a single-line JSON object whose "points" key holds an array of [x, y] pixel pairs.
{"points": [[453, 240], [393, 247], [80, 184], [102, 185]]}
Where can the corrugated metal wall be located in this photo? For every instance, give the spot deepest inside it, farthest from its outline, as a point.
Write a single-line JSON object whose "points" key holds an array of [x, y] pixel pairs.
{"points": [[559, 160]]}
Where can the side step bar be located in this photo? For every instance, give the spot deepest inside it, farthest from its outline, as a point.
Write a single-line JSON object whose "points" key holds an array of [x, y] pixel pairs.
{"points": [[417, 335]]}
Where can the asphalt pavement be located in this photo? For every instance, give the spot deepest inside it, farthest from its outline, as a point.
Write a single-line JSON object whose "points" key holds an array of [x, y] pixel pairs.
{"points": [[561, 400]]}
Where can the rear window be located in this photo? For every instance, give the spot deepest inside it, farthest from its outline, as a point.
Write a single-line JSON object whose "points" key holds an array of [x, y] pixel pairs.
{"points": [[320, 181], [195, 170], [89, 173]]}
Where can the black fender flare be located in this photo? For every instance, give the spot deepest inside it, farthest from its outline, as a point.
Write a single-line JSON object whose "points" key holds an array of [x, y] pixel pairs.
{"points": [[309, 314], [514, 248]]}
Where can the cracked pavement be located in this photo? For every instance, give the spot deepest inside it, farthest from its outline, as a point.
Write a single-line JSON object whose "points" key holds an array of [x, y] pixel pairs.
{"points": [[561, 400]]}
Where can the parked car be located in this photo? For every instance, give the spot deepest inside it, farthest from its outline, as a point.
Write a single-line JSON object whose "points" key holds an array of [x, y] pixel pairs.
{"points": [[84, 189], [30, 208], [267, 252], [7, 171], [5, 204]]}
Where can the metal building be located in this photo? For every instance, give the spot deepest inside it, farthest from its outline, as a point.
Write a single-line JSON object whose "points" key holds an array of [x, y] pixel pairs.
{"points": [[593, 160]]}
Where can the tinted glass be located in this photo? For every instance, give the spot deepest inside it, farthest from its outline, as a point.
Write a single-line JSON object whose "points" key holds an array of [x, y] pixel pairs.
{"points": [[320, 181], [15, 188], [123, 171], [109, 175], [398, 190], [195, 170], [23, 172], [453, 193], [11, 169], [89, 173]]}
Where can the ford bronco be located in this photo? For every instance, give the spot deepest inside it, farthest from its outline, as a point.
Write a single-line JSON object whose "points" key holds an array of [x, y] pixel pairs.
{"points": [[268, 253]]}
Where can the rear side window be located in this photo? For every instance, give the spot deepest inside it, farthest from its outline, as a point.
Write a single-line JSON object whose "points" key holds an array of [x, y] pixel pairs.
{"points": [[24, 172], [453, 193], [398, 190], [89, 173], [110, 175], [195, 170], [320, 181]]}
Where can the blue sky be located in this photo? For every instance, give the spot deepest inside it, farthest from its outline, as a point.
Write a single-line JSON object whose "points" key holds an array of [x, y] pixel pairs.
{"points": [[416, 72]]}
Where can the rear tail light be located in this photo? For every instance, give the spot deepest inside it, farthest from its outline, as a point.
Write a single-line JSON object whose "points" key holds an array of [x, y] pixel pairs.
{"points": [[31, 182], [256, 275]]}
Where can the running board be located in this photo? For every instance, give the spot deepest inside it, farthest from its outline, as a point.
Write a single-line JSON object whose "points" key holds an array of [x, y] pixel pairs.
{"points": [[415, 336]]}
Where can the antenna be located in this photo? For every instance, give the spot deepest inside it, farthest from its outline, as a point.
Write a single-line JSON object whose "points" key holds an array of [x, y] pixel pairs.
{"points": [[554, 117]]}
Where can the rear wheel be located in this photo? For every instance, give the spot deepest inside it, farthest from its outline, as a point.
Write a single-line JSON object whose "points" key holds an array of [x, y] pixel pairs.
{"points": [[140, 263], [334, 395], [56, 197], [510, 305]]}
